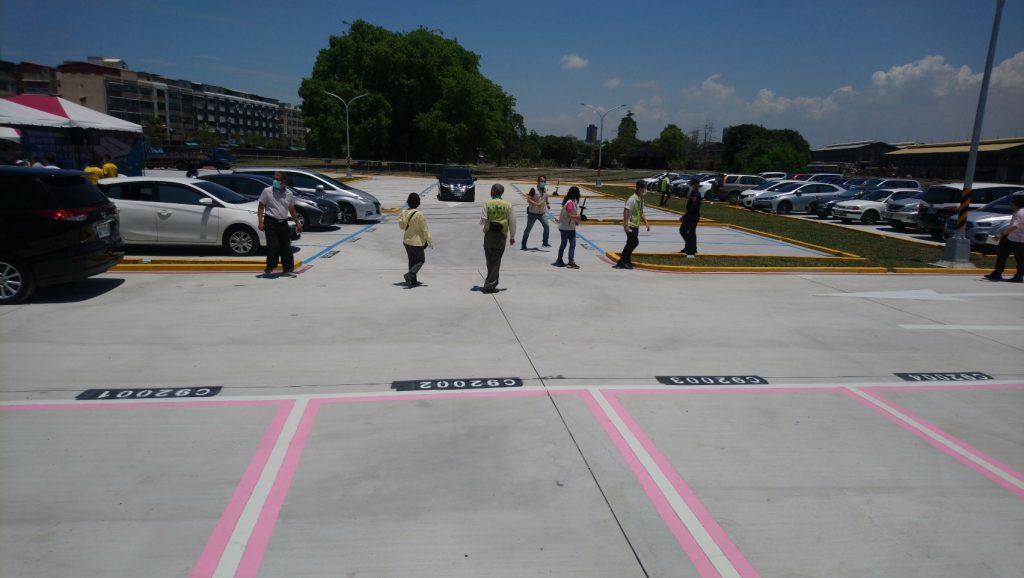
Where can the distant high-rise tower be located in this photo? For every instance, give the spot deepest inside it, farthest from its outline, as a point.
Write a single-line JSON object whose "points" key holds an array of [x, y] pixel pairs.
{"points": [[591, 134]]}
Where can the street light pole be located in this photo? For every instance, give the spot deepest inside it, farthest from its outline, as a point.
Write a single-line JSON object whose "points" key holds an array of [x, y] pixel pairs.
{"points": [[957, 253], [348, 144], [600, 138]]}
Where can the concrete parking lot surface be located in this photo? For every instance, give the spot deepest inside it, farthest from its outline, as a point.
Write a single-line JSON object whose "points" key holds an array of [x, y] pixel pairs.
{"points": [[594, 422]]}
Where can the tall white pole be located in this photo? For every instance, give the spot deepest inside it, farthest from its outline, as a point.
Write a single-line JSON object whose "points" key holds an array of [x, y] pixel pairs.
{"points": [[348, 144], [600, 138]]}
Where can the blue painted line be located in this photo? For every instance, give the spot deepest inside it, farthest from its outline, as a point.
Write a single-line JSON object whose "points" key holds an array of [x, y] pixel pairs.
{"points": [[341, 242]]}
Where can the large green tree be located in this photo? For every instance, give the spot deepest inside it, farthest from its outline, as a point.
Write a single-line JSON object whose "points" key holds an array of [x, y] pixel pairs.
{"points": [[751, 148], [674, 145], [428, 100]]}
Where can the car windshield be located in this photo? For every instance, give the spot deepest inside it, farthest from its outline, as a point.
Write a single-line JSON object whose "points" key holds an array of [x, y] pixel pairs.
{"points": [[877, 195], [870, 182], [335, 182], [73, 191], [463, 174], [786, 187], [1000, 205], [942, 195], [764, 186], [222, 193]]}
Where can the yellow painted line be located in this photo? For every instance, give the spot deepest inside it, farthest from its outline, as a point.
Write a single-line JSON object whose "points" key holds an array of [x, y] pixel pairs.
{"points": [[743, 256], [193, 265], [835, 252], [938, 271], [391, 210]]}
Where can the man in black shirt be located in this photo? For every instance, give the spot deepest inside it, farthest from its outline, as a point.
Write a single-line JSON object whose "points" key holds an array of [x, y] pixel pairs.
{"points": [[689, 227]]}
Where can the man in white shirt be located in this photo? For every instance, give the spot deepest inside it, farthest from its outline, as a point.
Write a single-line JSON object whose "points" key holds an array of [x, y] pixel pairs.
{"points": [[276, 204], [1012, 241]]}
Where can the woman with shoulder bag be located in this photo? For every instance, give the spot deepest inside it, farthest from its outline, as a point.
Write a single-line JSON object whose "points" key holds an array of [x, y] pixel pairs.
{"points": [[416, 238], [567, 221]]}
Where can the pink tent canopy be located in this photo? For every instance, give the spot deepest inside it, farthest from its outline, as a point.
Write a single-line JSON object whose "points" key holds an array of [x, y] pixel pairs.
{"points": [[76, 115], [14, 114]]}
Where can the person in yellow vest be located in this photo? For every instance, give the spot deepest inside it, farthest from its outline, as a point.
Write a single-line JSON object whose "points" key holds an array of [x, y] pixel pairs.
{"points": [[499, 224], [632, 217], [416, 238], [109, 168], [93, 171]]}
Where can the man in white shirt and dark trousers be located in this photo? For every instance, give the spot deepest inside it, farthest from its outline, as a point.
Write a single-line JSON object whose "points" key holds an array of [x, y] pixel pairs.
{"points": [[275, 205], [1012, 241]]}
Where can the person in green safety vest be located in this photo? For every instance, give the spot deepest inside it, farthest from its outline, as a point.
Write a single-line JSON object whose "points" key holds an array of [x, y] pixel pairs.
{"points": [[663, 188], [632, 217], [499, 223]]}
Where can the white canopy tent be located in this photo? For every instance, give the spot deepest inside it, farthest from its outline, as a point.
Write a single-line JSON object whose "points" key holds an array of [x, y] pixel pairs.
{"points": [[14, 114]]}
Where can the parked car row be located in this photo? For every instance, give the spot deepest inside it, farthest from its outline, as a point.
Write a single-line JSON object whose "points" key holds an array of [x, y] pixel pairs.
{"points": [[902, 203]]}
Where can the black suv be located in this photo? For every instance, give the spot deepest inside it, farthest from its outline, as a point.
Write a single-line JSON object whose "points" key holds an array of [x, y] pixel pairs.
{"points": [[456, 184], [55, 227]]}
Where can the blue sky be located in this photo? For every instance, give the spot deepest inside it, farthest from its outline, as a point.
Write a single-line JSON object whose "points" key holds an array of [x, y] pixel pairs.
{"points": [[837, 71]]}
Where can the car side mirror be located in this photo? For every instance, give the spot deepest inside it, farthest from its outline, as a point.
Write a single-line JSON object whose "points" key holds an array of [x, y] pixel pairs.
{"points": [[319, 189], [206, 201]]}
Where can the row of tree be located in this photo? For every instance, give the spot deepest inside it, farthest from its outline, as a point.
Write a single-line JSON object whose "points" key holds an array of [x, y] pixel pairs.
{"points": [[422, 98]]}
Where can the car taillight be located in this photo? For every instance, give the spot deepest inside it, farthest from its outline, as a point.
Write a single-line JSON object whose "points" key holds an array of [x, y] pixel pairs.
{"points": [[65, 214]]}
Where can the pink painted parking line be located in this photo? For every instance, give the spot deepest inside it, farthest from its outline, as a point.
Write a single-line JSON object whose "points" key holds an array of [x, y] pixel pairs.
{"points": [[218, 540], [256, 548], [711, 525], [1016, 489]]}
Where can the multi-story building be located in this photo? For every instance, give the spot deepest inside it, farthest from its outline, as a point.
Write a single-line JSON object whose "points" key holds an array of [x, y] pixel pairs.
{"points": [[8, 79], [184, 107], [591, 134], [294, 129], [36, 79]]}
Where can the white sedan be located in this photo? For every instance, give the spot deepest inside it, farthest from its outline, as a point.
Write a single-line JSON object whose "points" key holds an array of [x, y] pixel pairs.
{"points": [[868, 209], [176, 211]]}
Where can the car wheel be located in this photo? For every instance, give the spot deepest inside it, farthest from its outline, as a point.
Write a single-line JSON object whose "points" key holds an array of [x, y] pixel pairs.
{"points": [[304, 220], [348, 214], [734, 198], [15, 281], [869, 218], [845, 221], [897, 225], [241, 241], [937, 235], [785, 207], [822, 214]]}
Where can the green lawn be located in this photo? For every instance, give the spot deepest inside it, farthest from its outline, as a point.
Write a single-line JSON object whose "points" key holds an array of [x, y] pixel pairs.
{"points": [[877, 250]]}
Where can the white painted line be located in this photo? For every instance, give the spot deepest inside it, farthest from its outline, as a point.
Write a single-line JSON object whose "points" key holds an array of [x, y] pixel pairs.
{"points": [[998, 472], [687, 516], [247, 521], [963, 327]]}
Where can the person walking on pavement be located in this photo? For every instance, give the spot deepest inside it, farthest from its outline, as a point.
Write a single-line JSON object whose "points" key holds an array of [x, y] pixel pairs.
{"points": [[416, 238], [536, 210], [688, 229], [567, 221], [276, 203], [632, 217], [1011, 241], [499, 223], [664, 189]]}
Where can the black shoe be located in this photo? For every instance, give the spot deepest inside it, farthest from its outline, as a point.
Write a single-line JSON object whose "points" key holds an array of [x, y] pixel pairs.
{"points": [[994, 277], [522, 248], [486, 290], [1015, 280], [558, 264], [572, 265], [546, 245], [289, 274], [627, 266], [408, 278]]}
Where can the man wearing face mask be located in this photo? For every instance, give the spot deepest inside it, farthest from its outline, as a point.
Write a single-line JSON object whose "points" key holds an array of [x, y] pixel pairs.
{"points": [[275, 205]]}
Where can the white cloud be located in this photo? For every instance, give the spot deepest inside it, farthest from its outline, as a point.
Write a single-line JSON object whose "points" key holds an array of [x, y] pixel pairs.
{"points": [[648, 84], [574, 62], [612, 83]]}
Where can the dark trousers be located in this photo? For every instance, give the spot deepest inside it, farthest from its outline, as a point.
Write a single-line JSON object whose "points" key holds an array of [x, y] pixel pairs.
{"points": [[494, 248], [632, 240], [568, 237], [279, 244], [689, 232], [417, 257], [1003, 251], [665, 196], [531, 218]]}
